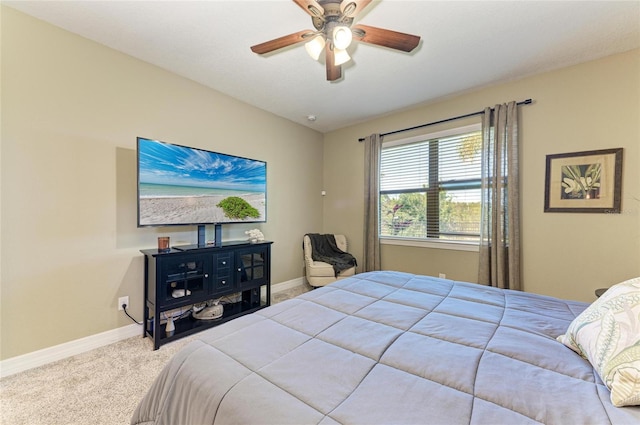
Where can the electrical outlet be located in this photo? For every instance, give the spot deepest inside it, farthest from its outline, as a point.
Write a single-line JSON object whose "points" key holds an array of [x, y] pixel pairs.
{"points": [[442, 276], [123, 300]]}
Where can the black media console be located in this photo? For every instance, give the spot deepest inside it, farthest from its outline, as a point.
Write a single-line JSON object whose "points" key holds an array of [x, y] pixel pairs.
{"points": [[185, 276]]}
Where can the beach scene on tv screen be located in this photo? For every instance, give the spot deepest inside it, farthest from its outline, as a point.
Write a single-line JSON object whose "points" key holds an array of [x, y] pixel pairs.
{"points": [[182, 185]]}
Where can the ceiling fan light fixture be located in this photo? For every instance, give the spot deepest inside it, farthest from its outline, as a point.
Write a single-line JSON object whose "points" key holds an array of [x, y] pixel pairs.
{"points": [[332, 20], [342, 37], [341, 56], [315, 47]]}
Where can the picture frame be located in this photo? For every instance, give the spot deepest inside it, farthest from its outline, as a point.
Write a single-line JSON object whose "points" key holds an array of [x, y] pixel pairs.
{"points": [[584, 182]]}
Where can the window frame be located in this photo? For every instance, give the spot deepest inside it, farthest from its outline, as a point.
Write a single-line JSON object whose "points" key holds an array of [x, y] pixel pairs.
{"points": [[432, 194]]}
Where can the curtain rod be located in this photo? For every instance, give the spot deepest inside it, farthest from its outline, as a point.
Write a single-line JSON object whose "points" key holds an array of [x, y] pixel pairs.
{"points": [[362, 139]]}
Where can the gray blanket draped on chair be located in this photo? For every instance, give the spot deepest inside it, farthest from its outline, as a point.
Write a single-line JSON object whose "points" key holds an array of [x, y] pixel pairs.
{"points": [[325, 249]]}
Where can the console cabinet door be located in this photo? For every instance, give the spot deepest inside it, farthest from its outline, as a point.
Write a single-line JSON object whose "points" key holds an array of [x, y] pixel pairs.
{"points": [[182, 278], [252, 266]]}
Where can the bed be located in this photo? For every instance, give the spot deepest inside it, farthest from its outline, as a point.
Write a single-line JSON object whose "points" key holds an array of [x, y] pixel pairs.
{"points": [[388, 348]]}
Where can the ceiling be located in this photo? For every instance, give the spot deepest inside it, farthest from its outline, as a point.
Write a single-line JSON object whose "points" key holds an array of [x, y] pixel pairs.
{"points": [[465, 45]]}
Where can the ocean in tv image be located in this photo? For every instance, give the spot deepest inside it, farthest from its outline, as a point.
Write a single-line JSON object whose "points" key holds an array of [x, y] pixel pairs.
{"points": [[182, 185]]}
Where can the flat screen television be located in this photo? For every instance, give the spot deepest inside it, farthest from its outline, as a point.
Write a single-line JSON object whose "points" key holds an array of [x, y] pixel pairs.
{"points": [[180, 185]]}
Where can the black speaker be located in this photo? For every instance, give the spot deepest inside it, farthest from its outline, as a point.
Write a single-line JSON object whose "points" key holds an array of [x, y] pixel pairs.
{"points": [[217, 236], [251, 297]]}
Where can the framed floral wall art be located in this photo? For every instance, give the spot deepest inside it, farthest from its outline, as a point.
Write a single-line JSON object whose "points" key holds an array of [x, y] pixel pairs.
{"points": [[589, 181]]}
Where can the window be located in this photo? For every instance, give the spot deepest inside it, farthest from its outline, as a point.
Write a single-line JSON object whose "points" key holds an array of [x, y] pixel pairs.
{"points": [[430, 186]]}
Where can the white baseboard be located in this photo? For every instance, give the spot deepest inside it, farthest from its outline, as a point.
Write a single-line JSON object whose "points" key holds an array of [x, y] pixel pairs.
{"points": [[28, 361], [289, 284]]}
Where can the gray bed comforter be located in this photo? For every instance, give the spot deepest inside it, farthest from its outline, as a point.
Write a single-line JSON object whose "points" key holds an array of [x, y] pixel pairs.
{"points": [[387, 348]]}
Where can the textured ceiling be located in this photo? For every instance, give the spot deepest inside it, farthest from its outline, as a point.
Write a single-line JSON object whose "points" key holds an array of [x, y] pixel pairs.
{"points": [[465, 45]]}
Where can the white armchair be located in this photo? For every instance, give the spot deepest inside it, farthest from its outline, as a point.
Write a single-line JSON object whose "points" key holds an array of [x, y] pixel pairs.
{"points": [[320, 273]]}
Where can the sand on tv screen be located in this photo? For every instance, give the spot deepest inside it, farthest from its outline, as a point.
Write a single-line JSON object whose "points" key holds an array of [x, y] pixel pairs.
{"points": [[183, 185]]}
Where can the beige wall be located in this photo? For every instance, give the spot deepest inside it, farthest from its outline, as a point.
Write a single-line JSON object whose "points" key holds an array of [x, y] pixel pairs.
{"points": [[595, 105], [71, 111]]}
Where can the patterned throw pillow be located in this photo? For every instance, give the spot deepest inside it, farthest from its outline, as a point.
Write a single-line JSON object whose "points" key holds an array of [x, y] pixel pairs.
{"points": [[607, 334]]}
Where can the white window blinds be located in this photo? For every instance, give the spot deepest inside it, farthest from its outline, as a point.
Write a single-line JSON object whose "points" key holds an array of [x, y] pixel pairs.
{"points": [[430, 187]]}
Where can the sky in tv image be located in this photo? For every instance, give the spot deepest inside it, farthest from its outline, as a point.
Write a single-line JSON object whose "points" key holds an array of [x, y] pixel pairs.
{"points": [[171, 165]]}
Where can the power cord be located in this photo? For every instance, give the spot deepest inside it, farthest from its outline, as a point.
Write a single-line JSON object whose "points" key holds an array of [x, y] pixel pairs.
{"points": [[124, 307]]}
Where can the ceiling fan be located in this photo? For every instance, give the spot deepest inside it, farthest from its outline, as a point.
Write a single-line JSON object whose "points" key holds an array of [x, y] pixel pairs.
{"points": [[333, 33]]}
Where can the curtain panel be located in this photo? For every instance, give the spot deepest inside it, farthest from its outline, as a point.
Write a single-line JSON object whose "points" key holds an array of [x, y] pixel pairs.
{"points": [[372, 147], [500, 199]]}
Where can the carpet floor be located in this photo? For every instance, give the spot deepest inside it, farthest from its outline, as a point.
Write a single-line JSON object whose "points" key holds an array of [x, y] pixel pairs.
{"points": [[101, 386]]}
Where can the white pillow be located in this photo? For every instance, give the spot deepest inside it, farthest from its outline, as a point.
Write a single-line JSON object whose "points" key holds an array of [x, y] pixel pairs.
{"points": [[607, 334]]}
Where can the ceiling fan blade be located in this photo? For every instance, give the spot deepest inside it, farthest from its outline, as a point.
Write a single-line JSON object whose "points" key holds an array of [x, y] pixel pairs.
{"points": [[279, 43], [311, 7], [334, 71], [351, 8], [387, 38]]}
